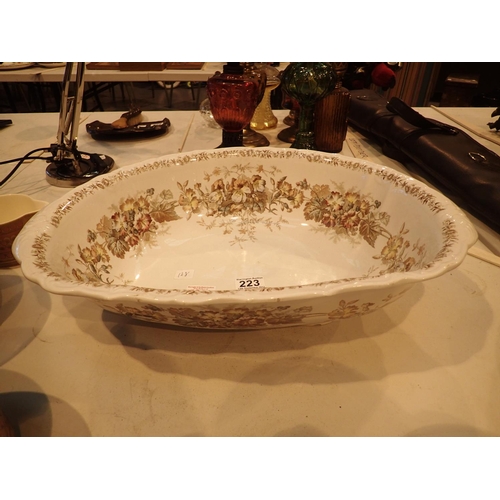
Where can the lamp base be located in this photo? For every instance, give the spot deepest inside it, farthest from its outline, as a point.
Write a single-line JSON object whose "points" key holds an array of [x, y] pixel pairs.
{"points": [[71, 172]]}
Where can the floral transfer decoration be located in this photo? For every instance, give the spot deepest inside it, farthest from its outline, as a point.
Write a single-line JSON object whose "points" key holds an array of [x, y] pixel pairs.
{"points": [[241, 317], [131, 227], [398, 180], [236, 200]]}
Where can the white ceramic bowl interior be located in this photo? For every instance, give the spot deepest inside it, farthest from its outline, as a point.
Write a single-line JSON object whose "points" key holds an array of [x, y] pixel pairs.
{"points": [[245, 238]]}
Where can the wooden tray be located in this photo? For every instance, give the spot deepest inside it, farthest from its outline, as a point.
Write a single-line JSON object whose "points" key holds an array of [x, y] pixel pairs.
{"points": [[141, 66], [102, 65], [184, 65], [144, 66]]}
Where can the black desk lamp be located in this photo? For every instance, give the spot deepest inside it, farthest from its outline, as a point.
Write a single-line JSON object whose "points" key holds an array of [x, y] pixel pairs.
{"points": [[71, 167]]}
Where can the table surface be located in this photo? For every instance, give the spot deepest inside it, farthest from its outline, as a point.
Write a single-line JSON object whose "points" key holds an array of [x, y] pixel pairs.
{"points": [[43, 74], [427, 365]]}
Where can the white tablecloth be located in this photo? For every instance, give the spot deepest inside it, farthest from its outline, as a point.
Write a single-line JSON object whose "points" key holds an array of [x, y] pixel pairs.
{"points": [[55, 75], [427, 365]]}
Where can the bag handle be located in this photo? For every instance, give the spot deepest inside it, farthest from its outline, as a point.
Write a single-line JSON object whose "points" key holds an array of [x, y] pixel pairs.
{"points": [[398, 107]]}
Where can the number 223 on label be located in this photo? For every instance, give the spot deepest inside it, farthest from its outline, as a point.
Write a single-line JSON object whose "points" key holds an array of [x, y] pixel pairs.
{"points": [[249, 282]]}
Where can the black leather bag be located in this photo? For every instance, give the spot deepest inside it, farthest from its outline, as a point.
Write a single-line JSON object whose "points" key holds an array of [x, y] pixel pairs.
{"points": [[452, 160]]}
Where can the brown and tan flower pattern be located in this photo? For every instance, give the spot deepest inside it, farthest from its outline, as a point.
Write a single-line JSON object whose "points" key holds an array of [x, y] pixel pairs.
{"points": [[238, 200], [242, 317], [239, 317], [133, 225]]}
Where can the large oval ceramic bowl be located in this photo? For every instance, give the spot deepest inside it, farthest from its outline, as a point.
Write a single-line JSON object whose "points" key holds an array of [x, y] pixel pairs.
{"points": [[244, 238]]}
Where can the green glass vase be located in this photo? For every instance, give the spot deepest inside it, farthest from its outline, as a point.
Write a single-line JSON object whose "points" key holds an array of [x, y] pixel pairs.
{"points": [[307, 82]]}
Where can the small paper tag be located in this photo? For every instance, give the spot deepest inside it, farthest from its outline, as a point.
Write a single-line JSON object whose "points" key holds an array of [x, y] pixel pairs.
{"points": [[200, 288], [357, 149], [247, 283], [184, 274]]}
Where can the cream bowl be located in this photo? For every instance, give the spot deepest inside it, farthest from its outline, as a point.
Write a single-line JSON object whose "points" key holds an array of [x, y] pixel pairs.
{"points": [[15, 211], [244, 238]]}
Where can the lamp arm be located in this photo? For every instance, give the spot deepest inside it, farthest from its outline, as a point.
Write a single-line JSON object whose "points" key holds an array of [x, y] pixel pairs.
{"points": [[69, 166], [69, 116]]}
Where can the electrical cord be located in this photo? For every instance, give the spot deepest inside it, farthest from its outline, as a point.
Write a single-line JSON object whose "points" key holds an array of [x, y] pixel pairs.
{"points": [[21, 161]]}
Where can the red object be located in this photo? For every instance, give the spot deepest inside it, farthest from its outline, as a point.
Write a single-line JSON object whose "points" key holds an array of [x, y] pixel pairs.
{"points": [[383, 76], [233, 99]]}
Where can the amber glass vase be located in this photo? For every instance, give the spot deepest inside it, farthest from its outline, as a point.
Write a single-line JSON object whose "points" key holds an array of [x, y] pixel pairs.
{"points": [[330, 115], [233, 99], [251, 138], [264, 118], [307, 83]]}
